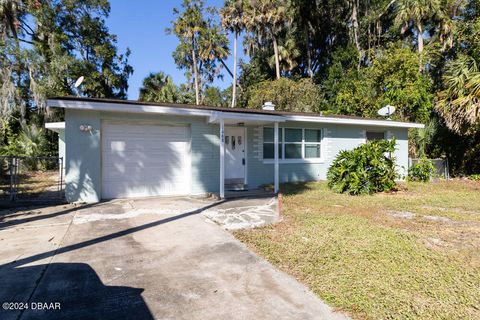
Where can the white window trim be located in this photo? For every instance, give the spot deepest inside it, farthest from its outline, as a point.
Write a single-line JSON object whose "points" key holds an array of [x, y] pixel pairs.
{"points": [[282, 159]]}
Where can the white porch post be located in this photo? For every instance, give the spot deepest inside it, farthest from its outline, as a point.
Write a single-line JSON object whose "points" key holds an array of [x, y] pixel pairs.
{"points": [[222, 158], [275, 157]]}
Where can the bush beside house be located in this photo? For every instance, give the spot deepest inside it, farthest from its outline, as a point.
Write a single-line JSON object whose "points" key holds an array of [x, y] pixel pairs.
{"points": [[366, 169], [422, 171]]}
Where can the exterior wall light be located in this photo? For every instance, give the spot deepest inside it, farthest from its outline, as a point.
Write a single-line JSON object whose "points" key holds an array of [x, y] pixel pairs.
{"points": [[85, 128]]}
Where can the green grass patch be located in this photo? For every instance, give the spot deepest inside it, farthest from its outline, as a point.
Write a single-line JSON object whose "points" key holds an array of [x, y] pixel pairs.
{"points": [[360, 259]]}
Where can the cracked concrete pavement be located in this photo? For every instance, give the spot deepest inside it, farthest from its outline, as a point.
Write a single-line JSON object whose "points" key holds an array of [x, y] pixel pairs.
{"points": [[148, 259]]}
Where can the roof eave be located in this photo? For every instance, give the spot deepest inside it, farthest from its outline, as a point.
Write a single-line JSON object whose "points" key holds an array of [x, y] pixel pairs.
{"points": [[118, 107], [214, 115], [55, 126], [364, 122]]}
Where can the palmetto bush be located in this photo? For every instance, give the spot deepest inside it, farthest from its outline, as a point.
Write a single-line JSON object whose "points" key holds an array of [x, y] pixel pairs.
{"points": [[30, 143], [366, 169], [422, 171]]}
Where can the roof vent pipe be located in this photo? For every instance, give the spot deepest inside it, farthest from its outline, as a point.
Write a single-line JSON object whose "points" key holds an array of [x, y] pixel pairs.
{"points": [[268, 106]]}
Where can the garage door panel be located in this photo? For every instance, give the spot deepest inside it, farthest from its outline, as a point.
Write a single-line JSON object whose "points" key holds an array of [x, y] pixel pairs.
{"points": [[123, 174], [144, 160], [136, 156]]}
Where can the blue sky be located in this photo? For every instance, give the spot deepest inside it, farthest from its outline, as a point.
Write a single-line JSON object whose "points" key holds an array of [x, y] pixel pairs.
{"points": [[141, 27]]}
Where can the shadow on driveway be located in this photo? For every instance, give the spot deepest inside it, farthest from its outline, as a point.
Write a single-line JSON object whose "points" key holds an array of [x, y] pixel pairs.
{"points": [[179, 270], [77, 290], [107, 237], [31, 218], [76, 286]]}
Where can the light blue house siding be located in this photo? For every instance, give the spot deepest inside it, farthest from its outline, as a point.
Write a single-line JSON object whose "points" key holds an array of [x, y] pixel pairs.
{"points": [[84, 151], [84, 154], [61, 148], [335, 138]]}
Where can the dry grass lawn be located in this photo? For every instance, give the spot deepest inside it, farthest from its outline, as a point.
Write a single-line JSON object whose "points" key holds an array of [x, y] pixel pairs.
{"points": [[32, 184], [411, 254]]}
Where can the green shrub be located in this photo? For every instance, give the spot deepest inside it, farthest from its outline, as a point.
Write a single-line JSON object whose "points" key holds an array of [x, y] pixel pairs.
{"points": [[474, 177], [366, 169], [288, 95], [30, 142], [421, 171]]}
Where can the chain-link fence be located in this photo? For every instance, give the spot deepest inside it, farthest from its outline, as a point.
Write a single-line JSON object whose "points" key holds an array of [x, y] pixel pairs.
{"points": [[31, 179], [441, 166]]}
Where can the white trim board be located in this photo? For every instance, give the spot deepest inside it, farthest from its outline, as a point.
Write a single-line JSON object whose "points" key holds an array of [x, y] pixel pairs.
{"points": [[121, 107], [217, 115], [365, 122], [55, 126]]}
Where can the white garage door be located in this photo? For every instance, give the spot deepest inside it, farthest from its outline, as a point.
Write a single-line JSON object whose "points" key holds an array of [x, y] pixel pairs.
{"points": [[144, 160]]}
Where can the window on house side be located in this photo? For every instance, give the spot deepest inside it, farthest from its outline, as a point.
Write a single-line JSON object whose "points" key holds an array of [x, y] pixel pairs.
{"points": [[313, 139], [268, 144], [294, 143], [375, 135]]}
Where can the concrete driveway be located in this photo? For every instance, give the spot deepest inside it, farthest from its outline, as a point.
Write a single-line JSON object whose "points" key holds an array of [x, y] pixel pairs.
{"points": [[143, 259]]}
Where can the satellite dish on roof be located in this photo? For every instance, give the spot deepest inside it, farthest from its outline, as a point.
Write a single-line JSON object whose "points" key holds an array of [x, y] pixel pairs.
{"points": [[79, 82], [386, 111]]}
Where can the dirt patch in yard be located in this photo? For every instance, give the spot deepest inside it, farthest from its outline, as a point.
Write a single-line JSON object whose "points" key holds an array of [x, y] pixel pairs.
{"points": [[38, 185]]}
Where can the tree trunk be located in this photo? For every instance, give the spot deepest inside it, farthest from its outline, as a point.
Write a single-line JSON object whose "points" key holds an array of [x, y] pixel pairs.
{"points": [[309, 55], [420, 46], [368, 32], [420, 37], [234, 83], [355, 30], [355, 24], [195, 72], [277, 61], [379, 32]]}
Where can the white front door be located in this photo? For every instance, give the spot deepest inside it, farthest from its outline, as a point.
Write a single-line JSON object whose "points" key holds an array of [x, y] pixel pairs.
{"points": [[234, 153]]}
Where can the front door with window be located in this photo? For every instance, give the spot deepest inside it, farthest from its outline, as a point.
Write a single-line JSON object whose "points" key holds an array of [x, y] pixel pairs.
{"points": [[234, 153]]}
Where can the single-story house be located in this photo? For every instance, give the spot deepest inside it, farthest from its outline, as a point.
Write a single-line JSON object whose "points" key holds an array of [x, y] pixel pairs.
{"points": [[122, 149]]}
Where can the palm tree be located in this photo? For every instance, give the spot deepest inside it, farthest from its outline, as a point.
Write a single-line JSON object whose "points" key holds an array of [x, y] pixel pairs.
{"points": [[287, 55], [421, 138], [459, 103], [232, 20], [202, 44], [159, 87], [188, 26], [31, 140], [415, 13], [266, 18], [447, 25], [212, 45]]}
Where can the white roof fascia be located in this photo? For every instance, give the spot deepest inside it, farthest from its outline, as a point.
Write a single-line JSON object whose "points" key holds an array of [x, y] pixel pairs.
{"points": [[121, 107], [55, 126], [215, 115], [246, 117], [365, 122]]}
